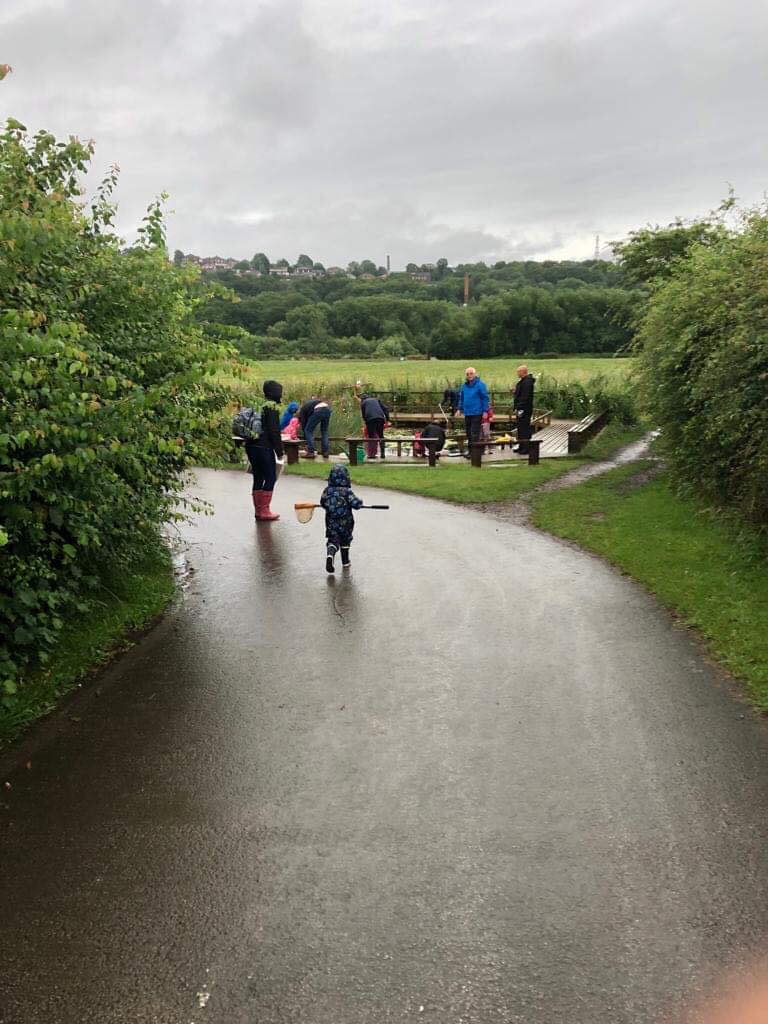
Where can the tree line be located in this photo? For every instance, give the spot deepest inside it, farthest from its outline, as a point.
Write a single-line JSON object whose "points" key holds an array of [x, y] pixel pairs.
{"points": [[515, 309]]}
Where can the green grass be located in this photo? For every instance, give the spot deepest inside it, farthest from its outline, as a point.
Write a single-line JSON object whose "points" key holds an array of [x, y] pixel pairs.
{"points": [[710, 572], [451, 482], [133, 599], [296, 374]]}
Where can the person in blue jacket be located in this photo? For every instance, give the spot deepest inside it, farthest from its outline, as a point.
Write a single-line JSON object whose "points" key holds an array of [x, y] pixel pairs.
{"points": [[473, 402], [290, 412]]}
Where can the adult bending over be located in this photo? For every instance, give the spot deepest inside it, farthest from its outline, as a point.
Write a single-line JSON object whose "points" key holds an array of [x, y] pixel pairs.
{"points": [[523, 404], [264, 450], [375, 415], [315, 413], [432, 431], [473, 402]]}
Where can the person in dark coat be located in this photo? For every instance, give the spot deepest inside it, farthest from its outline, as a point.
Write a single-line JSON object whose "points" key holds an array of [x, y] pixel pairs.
{"points": [[264, 450], [451, 399], [432, 430], [523, 405], [375, 415], [338, 499], [315, 413]]}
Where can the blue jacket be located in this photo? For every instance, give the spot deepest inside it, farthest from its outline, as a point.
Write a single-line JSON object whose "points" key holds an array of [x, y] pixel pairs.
{"points": [[473, 398]]}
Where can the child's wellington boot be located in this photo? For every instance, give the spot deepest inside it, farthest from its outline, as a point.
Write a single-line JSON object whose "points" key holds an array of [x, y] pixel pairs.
{"points": [[345, 556], [266, 515], [329, 566]]}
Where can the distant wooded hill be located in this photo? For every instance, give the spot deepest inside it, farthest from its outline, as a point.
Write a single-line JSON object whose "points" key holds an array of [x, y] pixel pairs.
{"points": [[514, 308]]}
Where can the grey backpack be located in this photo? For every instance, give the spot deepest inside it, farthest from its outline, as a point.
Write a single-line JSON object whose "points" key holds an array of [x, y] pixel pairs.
{"points": [[247, 424]]}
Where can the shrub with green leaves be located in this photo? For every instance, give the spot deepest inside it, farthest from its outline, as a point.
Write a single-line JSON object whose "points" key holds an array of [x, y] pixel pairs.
{"points": [[704, 365], [106, 394]]}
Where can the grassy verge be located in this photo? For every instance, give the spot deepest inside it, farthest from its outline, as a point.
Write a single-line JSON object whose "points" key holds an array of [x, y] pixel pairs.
{"points": [[133, 599], [459, 482], [696, 563], [452, 482]]}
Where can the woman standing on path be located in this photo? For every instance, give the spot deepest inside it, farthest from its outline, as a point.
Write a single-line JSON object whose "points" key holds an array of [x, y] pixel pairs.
{"points": [[264, 451]]}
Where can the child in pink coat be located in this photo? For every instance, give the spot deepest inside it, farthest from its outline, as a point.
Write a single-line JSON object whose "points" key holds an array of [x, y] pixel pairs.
{"points": [[485, 426], [291, 431]]}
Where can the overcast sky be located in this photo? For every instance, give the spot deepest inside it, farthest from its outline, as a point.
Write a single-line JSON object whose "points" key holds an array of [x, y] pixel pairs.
{"points": [[422, 129]]}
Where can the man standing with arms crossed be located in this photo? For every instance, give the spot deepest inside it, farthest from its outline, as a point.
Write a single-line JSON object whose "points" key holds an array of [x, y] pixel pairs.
{"points": [[523, 405], [473, 402]]}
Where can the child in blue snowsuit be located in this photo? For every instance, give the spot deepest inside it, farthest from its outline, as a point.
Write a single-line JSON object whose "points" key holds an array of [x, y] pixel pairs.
{"points": [[338, 500]]}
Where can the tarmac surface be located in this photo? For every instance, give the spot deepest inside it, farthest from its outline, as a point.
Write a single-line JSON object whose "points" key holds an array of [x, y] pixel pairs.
{"points": [[479, 777]]}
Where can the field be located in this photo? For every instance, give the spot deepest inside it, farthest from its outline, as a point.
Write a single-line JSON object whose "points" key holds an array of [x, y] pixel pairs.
{"points": [[297, 374]]}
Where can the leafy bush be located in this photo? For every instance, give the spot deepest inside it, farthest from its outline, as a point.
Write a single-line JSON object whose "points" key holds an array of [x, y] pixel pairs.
{"points": [[574, 399], [704, 365], [105, 395]]}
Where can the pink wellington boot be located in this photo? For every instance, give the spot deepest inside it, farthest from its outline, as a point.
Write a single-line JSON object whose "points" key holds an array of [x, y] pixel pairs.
{"points": [[256, 503], [265, 513]]}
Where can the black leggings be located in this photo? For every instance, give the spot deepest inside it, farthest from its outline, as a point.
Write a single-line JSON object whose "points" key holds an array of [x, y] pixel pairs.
{"points": [[263, 467]]}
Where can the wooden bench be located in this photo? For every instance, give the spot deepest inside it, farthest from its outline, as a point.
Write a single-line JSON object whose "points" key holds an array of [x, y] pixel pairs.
{"points": [[502, 421], [477, 448], [353, 443], [579, 434]]}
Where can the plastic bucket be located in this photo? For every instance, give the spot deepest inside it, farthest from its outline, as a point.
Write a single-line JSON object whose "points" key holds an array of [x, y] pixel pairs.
{"points": [[361, 455]]}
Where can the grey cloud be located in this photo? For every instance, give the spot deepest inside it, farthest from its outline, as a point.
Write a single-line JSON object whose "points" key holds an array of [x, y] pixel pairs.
{"points": [[478, 132]]}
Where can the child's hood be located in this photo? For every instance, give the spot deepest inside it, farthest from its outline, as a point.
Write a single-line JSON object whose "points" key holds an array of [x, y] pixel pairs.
{"points": [[339, 477]]}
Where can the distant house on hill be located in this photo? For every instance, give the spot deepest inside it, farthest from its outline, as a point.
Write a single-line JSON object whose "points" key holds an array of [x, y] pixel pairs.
{"points": [[210, 264], [191, 258], [421, 275], [279, 271], [335, 271], [368, 277], [305, 272]]}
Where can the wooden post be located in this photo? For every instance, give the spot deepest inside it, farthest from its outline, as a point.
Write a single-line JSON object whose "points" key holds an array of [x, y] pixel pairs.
{"points": [[352, 443], [533, 452], [291, 452], [476, 453]]}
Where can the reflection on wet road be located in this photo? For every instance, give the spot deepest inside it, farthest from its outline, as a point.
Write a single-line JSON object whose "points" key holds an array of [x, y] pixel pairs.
{"points": [[480, 777]]}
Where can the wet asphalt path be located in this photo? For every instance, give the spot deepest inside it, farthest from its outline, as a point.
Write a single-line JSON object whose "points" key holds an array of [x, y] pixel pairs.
{"points": [[481, 778]]}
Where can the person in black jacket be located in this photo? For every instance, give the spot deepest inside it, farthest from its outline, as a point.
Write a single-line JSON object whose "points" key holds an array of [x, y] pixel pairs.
{"points": [[523, 405], [451, 399], [375, 414], [264, 450]]}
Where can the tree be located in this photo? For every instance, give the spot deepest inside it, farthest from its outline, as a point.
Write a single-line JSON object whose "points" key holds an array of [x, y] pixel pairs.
{"points": [[353, 267], [243, 265], [442, 268], [704, 363], [319, 268], [411, 268], [283, 263], [304, 261], [367, 267], [652, 253], [106, 393], [178, 258], [260, 262]]}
